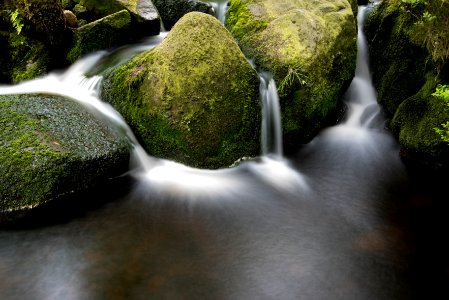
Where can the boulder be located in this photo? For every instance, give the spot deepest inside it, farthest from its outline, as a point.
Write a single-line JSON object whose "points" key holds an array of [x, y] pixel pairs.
{"points": [[104, 33], [51, 146], [172, 10], [309, 46], [193, 98], [405, 77]]}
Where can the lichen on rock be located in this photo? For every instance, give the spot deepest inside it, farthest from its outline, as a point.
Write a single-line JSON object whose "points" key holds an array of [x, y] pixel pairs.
{"points": [[193, 98]]}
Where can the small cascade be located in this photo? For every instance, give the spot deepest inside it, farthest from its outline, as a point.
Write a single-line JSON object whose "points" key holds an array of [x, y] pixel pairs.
{"points": [[220, 8], [362, 100], [271, 122]]}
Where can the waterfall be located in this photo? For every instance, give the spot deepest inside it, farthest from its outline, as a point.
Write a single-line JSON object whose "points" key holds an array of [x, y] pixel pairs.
{"points": [[220, 7], [362, 100], [271, 116]]}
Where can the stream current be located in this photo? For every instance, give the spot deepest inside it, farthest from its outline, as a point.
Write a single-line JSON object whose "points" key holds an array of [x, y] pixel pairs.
{"points": [[340, 219]]}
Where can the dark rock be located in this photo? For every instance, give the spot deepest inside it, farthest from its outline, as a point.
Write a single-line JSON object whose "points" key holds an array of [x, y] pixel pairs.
{"points": [[172, 10], [52, 146]]}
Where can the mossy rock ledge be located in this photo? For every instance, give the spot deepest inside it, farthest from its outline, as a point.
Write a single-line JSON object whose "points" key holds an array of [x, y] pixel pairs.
{"points": [[51, 146], [309, 46], [405, 79], [193, 98]]}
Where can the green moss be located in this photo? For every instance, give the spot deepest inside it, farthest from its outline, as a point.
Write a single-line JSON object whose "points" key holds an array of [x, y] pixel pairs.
{"points": [[398, 66], [414, 123], [104, 33], [51, 146], [28, 58], [311, 42], [192, 96], [241, 21]]}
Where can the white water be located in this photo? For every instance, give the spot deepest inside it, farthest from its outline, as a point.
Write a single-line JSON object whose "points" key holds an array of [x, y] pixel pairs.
{"points": [[271, 124], [160, 175], [220, 8], [362, 107]]}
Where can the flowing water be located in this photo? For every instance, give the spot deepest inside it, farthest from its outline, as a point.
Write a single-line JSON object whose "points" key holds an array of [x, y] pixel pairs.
{"points": [[340, 219]]}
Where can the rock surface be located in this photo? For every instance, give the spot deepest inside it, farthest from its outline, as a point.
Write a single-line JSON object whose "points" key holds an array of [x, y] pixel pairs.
{"points": [[405, 78], [104, 33], [51, 146], [310, 46], [193, 98], [172, 10]]}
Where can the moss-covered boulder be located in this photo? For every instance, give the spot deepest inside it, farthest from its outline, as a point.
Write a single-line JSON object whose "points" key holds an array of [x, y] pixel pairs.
{"points": [[51, 146], [405, 77], [398, 65], [172, 10], [193, 98], [414, 122], [104, 33], [310, 46]]}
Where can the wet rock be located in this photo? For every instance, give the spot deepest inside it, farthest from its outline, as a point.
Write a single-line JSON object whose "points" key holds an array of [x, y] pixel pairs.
{"points": [[104, 33], [405, 78], [310, 46], [172, 10], [52, 146], [193, 98]]}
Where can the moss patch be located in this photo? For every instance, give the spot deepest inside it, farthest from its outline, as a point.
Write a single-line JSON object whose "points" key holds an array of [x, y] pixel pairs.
{"points": [[414, 123], [193, 98]]}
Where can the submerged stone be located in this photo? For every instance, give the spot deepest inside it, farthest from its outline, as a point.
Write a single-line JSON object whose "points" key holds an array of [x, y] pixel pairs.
{"points": [[310, 46], [193, 98], [51, 146]]}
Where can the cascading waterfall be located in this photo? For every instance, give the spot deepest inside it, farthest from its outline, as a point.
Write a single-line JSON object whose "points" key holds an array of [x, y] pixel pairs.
{"points": [[363, 107], [159, 174], [271, 124]]}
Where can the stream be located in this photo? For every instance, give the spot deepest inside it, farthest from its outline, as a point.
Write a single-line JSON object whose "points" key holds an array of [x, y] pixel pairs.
{"points": [[342, 218]]}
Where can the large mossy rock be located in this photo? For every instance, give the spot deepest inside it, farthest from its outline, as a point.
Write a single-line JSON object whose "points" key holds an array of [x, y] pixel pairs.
{"points": [[173, 10], [310, 46], [104, 33], [193, 98], [51, 146], [405, 78]]}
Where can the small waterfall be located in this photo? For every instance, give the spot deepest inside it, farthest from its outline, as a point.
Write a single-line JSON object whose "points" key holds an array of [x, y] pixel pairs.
{"points": [[220, 7], [271, 116], [362, 105]]}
